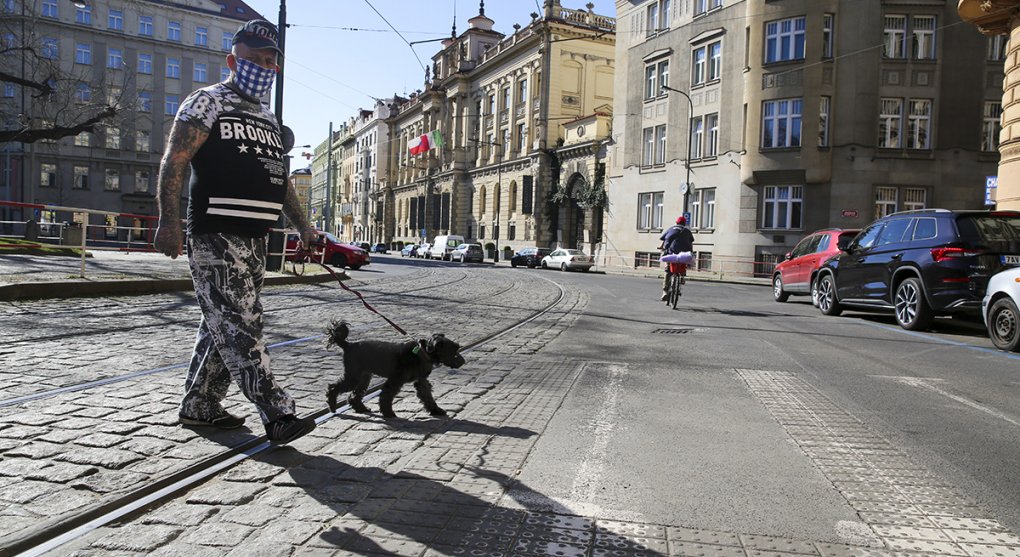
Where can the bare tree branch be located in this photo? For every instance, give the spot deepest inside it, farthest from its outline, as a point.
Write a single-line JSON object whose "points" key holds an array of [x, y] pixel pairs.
{"points": [[29, 134]]}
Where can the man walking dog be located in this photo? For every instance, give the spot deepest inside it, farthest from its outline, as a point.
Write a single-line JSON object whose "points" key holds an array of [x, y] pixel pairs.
{"points": [[239, 185]]}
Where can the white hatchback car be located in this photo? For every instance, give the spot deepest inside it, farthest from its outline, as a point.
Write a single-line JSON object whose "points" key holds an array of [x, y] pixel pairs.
{"points": [[567, 260], [999, 308]]}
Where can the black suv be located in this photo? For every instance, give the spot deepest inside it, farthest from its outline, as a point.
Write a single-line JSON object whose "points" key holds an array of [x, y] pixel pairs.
{"points": [[531, 257], [920, 264]]}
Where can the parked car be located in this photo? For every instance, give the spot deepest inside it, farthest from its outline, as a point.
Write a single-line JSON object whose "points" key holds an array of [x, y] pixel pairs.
{"points": [[467, 253], [423, 250], [921, 264], [380, 248], [567, 260], [529, 257], [795, 275], [363, 245], [999, 307], [410, 250], [329, 249], [443, 245]]}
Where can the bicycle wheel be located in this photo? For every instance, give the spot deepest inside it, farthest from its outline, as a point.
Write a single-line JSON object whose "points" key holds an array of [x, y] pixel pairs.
{"points": [[674, 291], [299, 265]]}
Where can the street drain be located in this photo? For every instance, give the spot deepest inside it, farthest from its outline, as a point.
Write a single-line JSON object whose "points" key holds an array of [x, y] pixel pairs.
{"points": [[671, 331]]}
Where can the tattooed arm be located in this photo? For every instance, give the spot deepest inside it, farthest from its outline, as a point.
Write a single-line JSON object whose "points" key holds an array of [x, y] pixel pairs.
{"points": [[292, 208], [184, 141]]}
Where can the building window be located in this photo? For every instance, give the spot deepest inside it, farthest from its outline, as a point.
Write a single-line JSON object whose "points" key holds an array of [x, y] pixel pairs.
{"points": [[81, 178], [142, 141], [145, 25], [522, 138], [200, 73], [885, 201], [226, 42], [782, 206], [924, 37], [997, 45], [112, 181], [781, 123], [890, 120], [115, 20], [141, 181], [698, 63], [173, 68], [824, 106], [50, 48], [10, 91], [49, 8], [144, 101], [47, 175], [83, 139], [697, 136], [894, 43], [660, 144], [714, 61], [172, 103], [708, 202], [991, 126], [828, 35], [647, 146], [112, 137], [201, 36], [145, 64], [83, 15], [784, 40], [712, 137], [173, 31], [914, 199], [919, 124], [114, 58], [83, 54], [656, 77], [83, 94], [652, 19], [522, 91], [649, 211]]}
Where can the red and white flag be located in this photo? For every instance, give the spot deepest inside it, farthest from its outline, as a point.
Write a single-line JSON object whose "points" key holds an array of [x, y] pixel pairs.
{"points": [[427, 141]]}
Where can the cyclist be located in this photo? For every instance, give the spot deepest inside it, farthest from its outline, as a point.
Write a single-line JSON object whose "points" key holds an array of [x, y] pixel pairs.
{"points": [[675, 239]]}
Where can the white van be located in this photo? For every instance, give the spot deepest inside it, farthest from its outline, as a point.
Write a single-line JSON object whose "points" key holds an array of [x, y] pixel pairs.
{"points": [[443, 245]]}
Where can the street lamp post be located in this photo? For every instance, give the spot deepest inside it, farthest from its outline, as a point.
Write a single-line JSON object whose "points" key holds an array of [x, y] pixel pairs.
{"points": [[687, 163]]}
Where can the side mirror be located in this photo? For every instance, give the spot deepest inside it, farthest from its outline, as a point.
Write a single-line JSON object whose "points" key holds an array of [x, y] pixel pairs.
{"points": [[788, 256], [845, 245]]}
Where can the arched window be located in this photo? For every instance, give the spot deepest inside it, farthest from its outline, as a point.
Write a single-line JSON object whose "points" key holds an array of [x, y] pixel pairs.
{"points": [[513, 196], [481, 199]]}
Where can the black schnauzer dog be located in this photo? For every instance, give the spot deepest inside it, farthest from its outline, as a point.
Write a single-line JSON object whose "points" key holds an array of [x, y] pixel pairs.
{"points": [[398, 362]]}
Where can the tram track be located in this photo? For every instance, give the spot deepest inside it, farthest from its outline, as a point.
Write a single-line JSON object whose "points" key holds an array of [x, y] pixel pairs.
{"points": [[109, 380], [65, 529]]}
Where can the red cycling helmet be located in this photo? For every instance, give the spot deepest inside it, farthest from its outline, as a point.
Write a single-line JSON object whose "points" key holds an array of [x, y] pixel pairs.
{"points": [[681, 220]]}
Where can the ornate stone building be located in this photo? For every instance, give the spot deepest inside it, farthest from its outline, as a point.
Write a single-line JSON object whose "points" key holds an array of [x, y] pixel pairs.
{"points": [[500, 104]]}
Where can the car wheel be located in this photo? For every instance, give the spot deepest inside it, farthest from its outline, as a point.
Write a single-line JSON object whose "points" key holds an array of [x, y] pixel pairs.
{"points": [[827, 302], [912, 311], [544, 265], [338, 260], [513, 263], [1004, 324], [355, 267], [563, 266], [814, 292], [777, 289]]}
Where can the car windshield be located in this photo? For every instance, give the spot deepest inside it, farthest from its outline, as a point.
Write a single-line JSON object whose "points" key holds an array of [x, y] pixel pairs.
{"points": [[990, 228], [331, 238]]}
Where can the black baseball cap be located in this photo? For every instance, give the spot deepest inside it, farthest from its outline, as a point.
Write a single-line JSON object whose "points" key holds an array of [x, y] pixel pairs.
{"points": [[258, 33]]}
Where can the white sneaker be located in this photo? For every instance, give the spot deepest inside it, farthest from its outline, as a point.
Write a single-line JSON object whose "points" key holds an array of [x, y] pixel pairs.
{"points": [[664, 296]]}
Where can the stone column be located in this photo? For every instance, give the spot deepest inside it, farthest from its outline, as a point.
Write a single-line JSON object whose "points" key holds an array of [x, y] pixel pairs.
{"points": [[1001, 17]]}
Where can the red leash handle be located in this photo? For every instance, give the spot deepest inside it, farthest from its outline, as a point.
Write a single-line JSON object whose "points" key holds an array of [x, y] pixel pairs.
{"points": [[360, 297]]}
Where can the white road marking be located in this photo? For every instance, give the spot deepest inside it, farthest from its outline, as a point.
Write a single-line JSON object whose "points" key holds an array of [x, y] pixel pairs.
{"points": [[588, 477], [929, 385]]}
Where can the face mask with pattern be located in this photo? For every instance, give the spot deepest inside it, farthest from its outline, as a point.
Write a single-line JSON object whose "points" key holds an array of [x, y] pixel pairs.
{"points": [[253, 79]]}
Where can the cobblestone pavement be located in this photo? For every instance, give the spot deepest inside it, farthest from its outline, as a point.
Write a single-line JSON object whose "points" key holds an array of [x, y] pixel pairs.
{"points": [[416, 486]]}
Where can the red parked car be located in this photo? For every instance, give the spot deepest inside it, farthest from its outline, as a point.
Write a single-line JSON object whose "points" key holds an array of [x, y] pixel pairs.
{"points": [[331, 251], [795, 276]]}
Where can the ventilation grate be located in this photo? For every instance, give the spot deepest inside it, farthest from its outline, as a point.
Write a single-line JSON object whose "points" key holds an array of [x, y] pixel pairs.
{"points": [[671, 331]]}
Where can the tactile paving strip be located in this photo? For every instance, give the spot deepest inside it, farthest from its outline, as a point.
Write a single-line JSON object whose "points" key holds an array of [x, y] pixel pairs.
{"points": [[908, 508]]}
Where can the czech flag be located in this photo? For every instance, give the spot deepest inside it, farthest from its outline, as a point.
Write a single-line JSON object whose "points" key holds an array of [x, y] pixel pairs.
{"points": [[427, 141]]}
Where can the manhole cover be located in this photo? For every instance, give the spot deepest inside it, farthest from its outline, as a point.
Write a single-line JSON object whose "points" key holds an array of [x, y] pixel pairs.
{"points": [[671, 331]]}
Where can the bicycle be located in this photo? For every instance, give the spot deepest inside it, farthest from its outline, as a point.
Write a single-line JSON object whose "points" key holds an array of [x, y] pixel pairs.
{"points": [[676, 282]]}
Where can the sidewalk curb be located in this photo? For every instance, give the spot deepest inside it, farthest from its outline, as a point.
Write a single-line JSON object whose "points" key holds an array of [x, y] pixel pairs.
{"points": [[126, 287]]}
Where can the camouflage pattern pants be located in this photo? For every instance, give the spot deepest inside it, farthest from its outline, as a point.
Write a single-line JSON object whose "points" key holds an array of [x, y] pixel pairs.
{"points": [[228, 272]]}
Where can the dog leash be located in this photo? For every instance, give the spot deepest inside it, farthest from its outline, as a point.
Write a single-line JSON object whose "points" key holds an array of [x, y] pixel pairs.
{"points": [[353, 291]]}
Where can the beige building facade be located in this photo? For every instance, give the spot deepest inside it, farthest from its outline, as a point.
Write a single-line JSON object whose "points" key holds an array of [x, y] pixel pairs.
{"points": [[500, 103], [769, 120]]}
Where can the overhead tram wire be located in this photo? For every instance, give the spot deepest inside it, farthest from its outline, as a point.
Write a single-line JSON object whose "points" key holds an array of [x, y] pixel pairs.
{"points": [[398, 34]]}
